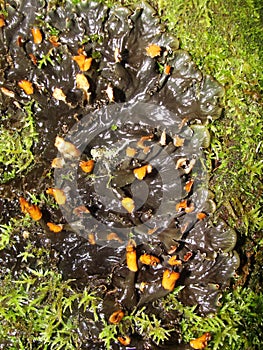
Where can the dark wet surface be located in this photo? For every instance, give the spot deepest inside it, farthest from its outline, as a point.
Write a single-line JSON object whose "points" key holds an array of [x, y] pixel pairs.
{"points": [[154, 103]]}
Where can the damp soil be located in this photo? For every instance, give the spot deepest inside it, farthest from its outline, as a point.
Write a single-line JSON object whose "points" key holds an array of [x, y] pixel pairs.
{"points": [[130, 96]]}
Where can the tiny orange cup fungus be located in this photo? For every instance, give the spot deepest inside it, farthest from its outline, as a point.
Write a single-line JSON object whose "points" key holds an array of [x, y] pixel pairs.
{"points": [[153, 50], [67, 149], [131, 256], [54, 227], [128, 204], [125, 340], [187, 256], [169, 279], [26, 86], [31, 209], [201, 342], [37, 35], [116, 317], [87, 166], [148, 259], [178, 141], [83, 62], [58, 194], [167, 69]]}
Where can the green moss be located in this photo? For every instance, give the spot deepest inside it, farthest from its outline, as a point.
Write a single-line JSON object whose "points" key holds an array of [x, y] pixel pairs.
{"points": [[16, 144]]}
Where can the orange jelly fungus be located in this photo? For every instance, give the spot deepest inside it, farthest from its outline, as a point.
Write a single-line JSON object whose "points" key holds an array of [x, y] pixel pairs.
{"points": [[148, 259], [201, 342], [26, 86], [116, 317], [58, 194], [54, 227], [87, 166], [37, 35], [169, 279], [131, 256], [30, 209]]}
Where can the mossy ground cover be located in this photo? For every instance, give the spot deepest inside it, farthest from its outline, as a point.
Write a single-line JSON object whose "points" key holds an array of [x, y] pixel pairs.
{"points": [[225, 40]]}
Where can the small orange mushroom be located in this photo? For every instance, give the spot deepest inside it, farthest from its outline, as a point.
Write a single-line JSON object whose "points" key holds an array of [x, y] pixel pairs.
{"points": [[173, 261], [54, 227], [169, 279], [178, 141], [2, 21], [59, 95], [125, 340], [188, 185], [26, 86], [130, 152], [53, 39], [33, 58], [187, 256], [91, 238], [167, 69], [148, 259], [58, 163], [131, 256], [112, 236], [37, 35], [200, 216], [116, 317], [201, 342], [142, 171], [87, 166], [128, 204], [181, 205], [30, 209], [81, 209], [58, 194], [83, 62], [153, 50], [67, 149]]}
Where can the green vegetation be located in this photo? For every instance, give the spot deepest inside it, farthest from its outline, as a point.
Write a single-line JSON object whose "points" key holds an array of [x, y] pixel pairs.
{"points": [[236, 326], [38, 312], [16, 143]]}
